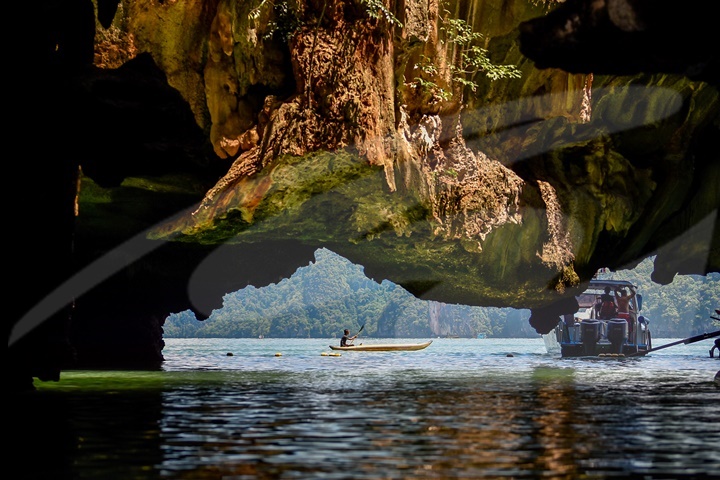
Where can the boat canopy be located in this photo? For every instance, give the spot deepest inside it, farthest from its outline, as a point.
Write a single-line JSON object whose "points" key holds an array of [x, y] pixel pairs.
{"points": [[597, 287]]}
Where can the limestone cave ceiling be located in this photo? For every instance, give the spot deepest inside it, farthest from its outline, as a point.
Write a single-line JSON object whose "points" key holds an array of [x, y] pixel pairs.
{"points": [[218, 150]]}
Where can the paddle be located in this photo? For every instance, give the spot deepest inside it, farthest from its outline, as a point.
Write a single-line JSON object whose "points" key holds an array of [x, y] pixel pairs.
{"points": [[357, 334], [686, 341]]}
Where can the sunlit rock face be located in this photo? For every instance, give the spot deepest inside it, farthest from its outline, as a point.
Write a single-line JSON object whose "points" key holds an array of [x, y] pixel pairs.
{"points": [[335, 145], [509, 201], [340, 124], [513, 200]]}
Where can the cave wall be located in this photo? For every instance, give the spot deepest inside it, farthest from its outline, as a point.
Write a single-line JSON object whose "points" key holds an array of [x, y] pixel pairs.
{"points": [[527, 163]]}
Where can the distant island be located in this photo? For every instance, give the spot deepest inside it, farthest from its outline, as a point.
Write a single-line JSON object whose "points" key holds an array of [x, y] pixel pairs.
{"points": [[332, 294]]}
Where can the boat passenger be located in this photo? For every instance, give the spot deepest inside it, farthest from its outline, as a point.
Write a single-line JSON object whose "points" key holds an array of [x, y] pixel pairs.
{"points": [[608, 308], [597, 307], [347, 338], [623, 301]]}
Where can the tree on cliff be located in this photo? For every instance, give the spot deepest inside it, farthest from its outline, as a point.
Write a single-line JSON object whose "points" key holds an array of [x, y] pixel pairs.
{"points": [[332, 293]]}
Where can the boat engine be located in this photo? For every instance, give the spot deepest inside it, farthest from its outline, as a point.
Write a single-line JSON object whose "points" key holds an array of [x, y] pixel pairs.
{"points": [[617, 329], [590, 332]]}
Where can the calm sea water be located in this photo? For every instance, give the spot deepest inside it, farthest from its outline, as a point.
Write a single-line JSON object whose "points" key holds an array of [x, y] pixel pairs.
{"points": [[460, 409]]}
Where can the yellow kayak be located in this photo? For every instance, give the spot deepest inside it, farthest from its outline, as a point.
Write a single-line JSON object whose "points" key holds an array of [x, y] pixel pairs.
{"points": [[383, 347]]}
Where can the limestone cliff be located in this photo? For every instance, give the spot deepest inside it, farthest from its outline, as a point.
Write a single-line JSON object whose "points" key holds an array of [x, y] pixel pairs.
{"points": [[504, 196]]}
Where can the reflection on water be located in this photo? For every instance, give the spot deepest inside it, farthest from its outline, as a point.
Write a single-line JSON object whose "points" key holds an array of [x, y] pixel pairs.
{"points": [[461, 409]]}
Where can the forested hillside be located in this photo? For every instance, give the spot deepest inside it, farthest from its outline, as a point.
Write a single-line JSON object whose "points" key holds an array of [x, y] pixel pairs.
{"points": [[681, 309], [332, 294]]}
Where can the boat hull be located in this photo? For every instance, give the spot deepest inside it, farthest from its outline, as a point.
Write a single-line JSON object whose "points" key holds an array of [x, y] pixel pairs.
{"points": [[600, 338], [589, 334], [601, 349], [383, 347]]}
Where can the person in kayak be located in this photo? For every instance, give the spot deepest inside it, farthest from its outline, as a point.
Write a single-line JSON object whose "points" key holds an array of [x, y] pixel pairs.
{"points": [[347, 338]]}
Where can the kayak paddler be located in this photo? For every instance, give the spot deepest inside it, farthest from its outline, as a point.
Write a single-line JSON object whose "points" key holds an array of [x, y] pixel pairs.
{"points": [[347, 338]]}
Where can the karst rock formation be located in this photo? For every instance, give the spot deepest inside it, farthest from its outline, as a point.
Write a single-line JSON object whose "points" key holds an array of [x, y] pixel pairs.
{"points": [[175, 151]]}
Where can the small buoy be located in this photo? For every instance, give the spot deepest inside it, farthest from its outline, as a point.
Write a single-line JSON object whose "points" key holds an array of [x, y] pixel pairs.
{"points": [[278, 354], [229, 354], [509, 355]]}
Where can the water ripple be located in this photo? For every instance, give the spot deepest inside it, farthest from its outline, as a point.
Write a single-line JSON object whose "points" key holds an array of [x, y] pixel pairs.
{"points": [[462, 409]]}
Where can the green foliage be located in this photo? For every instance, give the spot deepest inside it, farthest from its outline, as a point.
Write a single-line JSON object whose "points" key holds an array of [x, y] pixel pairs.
{"points": [[285, 20], [680, 309], [376, 9], [332, 294], [428, 68], [458, 31], [472, 60], [286, 23]]}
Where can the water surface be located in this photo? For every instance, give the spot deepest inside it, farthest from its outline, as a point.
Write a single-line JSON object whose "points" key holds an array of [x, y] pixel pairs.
{"points": [[462, 408]]}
